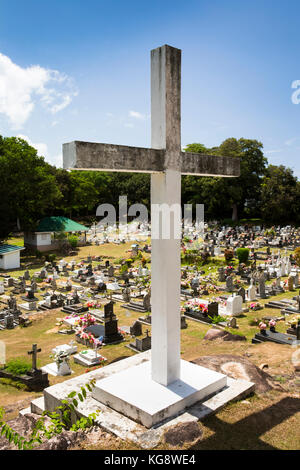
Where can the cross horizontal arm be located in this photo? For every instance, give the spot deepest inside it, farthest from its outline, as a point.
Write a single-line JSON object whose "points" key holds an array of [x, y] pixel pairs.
{"points": [[199, 164], [109, 157]]}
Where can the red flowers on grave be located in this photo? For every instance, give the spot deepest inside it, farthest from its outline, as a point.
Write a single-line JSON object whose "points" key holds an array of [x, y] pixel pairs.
{"points": [[92, 304], [85, 320]]}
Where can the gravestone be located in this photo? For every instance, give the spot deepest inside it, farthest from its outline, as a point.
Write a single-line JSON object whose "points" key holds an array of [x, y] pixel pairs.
{"points": [[221, 275], [9, 321], [136, 329], [229, 283], [147, 302], [142, 344], [251, 293], [242, 293], [111, 271], [290, 283], [261, 286], [234, 305]]}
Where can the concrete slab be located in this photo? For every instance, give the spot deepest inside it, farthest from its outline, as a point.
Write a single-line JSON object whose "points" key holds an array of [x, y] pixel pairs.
{"points": [[149, 402], [53, 370], [125, 428]]}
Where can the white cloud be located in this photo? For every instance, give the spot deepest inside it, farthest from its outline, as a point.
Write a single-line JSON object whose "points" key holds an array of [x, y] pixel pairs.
{"points": [[42, 149], [21, 88], [137, 115]]}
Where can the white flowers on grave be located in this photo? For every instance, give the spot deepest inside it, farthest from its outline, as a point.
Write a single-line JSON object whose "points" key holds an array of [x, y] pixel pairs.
{"points": [[61, 357]]}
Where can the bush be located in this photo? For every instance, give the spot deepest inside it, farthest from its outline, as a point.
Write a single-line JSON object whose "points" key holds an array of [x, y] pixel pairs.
{"points": [[123, 269], [18, 366], [297, 256], [242, 254], [50, 257], [73, 241], [38, 254]]}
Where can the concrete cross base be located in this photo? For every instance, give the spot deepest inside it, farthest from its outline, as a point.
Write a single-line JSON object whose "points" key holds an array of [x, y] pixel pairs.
{"points": [[122, 426], [148, 402]]}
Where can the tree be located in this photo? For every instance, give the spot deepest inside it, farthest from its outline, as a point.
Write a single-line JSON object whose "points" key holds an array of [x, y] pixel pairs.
{"points": [[28, 189], [280, 195], [222, 195]]}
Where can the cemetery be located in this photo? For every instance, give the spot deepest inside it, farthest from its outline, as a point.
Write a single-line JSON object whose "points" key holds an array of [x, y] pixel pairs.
{"points": [[100, 330], [158, 333]]}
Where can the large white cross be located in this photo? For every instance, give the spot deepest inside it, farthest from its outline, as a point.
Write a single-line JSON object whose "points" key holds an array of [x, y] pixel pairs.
{"points": [[166, 162]]}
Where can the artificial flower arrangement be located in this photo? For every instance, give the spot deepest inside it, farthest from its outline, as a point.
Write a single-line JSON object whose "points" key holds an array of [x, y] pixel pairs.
{"points": [[92, 304], [262, 326], [85, 320], [195, 305], [60, 357], [89, 338], [255, 306], [228, 270], [272, 325]]}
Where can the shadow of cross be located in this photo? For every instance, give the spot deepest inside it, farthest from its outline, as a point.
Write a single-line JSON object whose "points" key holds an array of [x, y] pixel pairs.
{"points": [[166, 163], [246, 433]]}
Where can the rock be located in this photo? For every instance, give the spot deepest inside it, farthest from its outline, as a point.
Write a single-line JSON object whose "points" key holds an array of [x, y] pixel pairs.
{"points": [[239, 367], [62, 441], [184, 432], [263, 366], [215, 333]]}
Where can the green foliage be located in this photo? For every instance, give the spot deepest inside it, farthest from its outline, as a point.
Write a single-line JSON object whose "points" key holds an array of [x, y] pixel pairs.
{"points": [[32, 189], [123, 269], [28, 188], [18, 366], [50, 257], [73, 240], [280, 195], [242, 254], [62, 418], [217, 319], [297, 256]]}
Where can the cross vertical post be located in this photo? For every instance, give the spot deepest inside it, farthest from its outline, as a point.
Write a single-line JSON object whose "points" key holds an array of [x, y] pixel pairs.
{"points": [[166, 190], [33, 353]]}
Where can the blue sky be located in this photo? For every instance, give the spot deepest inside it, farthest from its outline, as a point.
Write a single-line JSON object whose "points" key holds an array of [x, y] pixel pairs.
{"points": [[80, 69]]}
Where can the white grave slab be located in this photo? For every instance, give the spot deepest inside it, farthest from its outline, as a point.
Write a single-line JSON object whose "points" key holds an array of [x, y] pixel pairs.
{"points": [[67, 348], [62, 370], [89, 358]]}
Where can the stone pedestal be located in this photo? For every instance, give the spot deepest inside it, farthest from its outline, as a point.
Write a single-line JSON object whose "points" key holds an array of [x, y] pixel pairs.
{"points": [[148, 402]]}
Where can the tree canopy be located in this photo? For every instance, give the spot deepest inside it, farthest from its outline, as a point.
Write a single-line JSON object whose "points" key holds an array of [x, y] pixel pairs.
{"points": [[31, 188]]}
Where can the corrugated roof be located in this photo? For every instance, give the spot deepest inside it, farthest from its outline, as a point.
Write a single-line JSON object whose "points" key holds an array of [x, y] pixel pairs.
{"points": [[10, 248], [60, 224]]}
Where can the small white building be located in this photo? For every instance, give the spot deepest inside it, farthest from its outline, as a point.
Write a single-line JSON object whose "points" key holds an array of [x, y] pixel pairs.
{"points": [[10, 256], [41, 241], [42, 238]]}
